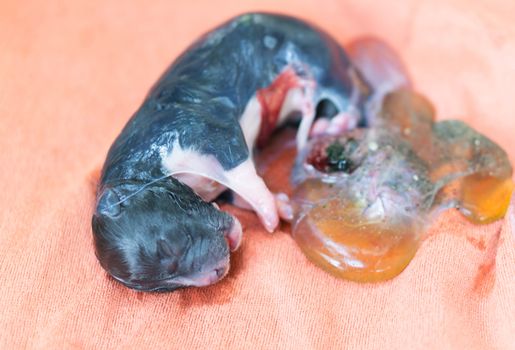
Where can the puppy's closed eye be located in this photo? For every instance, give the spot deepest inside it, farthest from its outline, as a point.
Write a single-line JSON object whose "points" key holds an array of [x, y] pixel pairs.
{"points": [[168, 255], [164, 250]]}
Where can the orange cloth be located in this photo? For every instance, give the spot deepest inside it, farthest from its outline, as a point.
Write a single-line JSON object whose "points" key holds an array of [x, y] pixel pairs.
{"points": [[72, 73]]}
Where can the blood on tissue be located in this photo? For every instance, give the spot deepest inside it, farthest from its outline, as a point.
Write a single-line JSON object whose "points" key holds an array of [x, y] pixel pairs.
{"points": [[271, 100]]}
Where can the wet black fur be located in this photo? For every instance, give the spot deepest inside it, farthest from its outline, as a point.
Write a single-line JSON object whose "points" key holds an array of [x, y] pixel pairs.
{"points": [[146, 237]]}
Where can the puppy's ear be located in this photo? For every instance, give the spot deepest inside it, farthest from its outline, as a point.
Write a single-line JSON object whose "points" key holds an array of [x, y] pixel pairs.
{"points": [[109, 204]]}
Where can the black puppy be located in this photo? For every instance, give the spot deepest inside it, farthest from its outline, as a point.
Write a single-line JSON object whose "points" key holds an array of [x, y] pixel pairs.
{"points": [[192, 138]]}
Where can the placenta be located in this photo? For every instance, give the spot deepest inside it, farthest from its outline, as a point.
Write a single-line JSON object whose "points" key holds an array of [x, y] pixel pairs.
{"points": [[362, 199]]}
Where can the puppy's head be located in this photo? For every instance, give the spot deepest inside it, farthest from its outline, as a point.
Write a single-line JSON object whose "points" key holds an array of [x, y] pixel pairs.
{"points": [[162, 236]]}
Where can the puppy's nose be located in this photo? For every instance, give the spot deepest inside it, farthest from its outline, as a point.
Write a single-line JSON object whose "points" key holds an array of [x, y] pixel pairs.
{"points": [[234, 235]]}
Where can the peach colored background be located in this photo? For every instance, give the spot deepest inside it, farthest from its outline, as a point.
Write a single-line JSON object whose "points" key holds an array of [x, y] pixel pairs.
{"points": [[71, 74]]}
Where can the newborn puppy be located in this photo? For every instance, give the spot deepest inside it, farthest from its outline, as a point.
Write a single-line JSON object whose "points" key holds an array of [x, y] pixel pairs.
{"points": [[162, 236], [192, 138]]}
